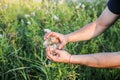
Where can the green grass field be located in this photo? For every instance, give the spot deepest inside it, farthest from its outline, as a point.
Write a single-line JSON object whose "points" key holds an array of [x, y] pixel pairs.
{"points": [[22, 54]]}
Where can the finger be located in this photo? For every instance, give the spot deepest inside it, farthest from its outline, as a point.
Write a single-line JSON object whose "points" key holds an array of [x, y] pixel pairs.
{"points": [[49, 35], [50, 56], [53, 34], [52, 51], [47, 50], [56, 51], [62, 45]]}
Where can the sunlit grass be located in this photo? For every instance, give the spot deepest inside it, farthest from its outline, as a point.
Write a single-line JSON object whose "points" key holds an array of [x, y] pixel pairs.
{"points": [[22, 53]]}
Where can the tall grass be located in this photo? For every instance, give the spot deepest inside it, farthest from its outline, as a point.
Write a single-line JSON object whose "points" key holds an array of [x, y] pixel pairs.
{"points": [[22, 54]]}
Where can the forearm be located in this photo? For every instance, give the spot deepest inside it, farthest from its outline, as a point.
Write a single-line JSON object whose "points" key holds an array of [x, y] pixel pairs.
{"points": [[100, 60], [87, 32]]}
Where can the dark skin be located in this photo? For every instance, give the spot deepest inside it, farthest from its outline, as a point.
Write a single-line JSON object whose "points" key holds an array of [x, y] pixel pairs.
{"points": [[89, 31]]}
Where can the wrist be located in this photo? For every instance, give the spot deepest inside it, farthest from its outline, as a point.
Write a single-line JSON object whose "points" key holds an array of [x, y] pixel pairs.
{"points": [[67, 38]]}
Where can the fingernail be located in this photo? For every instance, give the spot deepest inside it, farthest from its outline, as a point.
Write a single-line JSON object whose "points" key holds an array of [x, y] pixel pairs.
{"points": [[59, 47]]}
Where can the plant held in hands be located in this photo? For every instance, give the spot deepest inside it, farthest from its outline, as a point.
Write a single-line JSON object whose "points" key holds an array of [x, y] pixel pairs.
{"points": [[50, 41]]}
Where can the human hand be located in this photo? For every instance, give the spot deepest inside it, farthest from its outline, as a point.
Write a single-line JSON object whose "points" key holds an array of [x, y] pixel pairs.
{"points": [[58, 55], [58, 38]]}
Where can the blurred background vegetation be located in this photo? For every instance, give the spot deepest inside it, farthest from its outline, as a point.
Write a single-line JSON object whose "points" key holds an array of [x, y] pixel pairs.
{"points": [[22, 54]]}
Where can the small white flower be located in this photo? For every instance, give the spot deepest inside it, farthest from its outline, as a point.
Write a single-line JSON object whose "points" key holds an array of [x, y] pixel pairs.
{"points": [[93, 9], [56, 17], [83, 6], [47, 12], [5, 6], [78, 5], [38, 8], [74, 0], [55, 46], [22, 21], [47, 30], [29, 23], [26, 15], [1, 35], [28, 6], [61, 1], [39, 1], [52, 39], [33, 13], [45, 43]]}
